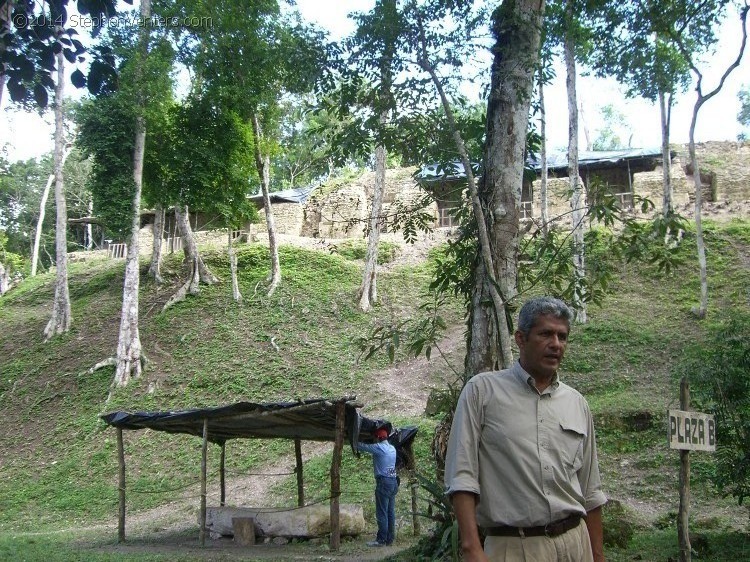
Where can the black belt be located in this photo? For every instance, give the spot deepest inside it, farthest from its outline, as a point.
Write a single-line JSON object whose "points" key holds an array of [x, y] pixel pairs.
{"points": [[550, 530]]}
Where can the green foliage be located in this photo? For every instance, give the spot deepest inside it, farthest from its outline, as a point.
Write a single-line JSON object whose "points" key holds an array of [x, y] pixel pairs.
{"points": [[717, 370], [14, 263], [107, 134], [637, 45], [357, 250], [743, 117], [35, 34], [608, 137], [201, 156], [21, 187], [417, 335]]}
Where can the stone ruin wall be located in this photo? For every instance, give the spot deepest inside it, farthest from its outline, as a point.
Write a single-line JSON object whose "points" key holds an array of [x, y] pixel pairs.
{"points": [[343, 213], [558, 204], [645, 184], [730, 163], [651, 185], [406, 194], [288, 218]]}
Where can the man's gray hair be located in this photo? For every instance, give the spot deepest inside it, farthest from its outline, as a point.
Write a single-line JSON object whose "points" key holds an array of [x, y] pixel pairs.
{"points": [[539, 306]]}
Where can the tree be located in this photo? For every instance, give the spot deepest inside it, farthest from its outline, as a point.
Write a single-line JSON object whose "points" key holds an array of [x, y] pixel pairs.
{"points": [[630, 43], [61, 314], [572, 34], [701, 99], [373, 49], [19, 196], [204, 163], [130, 357], [304, 154], [248, 59], [516, 29]]}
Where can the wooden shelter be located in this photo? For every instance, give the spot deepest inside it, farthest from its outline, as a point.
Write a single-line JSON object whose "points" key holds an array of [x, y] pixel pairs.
{"points": [[332, 420]]}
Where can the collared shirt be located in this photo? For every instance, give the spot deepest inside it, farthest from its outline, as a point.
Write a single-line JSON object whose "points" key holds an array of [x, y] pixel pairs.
{"points": [[529, 456], [383, 457]]}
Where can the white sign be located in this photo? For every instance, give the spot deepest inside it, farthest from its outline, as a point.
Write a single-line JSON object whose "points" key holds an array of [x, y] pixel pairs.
{"points": [[691, 430]]}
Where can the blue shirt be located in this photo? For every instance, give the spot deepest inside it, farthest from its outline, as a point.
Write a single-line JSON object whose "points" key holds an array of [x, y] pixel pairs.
{"points": [[383, 457]]}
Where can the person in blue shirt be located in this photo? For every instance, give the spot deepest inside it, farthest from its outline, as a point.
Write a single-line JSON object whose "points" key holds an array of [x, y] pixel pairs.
{"points": [[386, 486]]}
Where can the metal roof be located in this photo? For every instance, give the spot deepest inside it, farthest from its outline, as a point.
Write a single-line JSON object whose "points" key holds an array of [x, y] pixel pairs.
{"points": [[296, 195], [559, 159], [556, 160]]}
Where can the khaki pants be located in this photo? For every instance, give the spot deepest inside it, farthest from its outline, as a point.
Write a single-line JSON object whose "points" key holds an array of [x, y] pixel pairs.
{"points": [[573, 546]]}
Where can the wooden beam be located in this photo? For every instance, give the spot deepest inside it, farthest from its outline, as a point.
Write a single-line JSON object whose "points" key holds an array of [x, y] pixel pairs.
{"points": [[203, 482], [683, 517], [121, 486], [336, 476], [222, 480], [298, 470]]}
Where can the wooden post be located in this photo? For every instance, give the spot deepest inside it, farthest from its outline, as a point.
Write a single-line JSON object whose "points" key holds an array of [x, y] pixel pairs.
{"points": [[414, 485], [222, 481], [121, 486], [683, 533], [336, 477], [203, 483], [298, 470]]}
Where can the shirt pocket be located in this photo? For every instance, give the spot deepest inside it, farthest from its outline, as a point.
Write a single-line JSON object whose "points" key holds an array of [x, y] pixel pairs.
{"points": [[571, 443]]}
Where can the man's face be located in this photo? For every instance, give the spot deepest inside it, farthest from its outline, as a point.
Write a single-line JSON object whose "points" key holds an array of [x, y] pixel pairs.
{"points": [[543, 349]]}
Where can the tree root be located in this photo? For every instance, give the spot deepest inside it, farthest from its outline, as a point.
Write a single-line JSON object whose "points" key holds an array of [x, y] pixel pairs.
{"points": [[101, 364], [190, 286]]}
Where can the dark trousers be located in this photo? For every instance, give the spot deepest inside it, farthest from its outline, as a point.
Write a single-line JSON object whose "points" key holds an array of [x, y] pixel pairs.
{"points": [[385, 508]]}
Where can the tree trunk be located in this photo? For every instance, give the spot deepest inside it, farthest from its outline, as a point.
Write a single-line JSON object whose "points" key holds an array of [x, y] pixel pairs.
{"points": [[368, 290], [90, 229], [129, 349], [39, 224], [700, 312], [263, 164], [577, 201], [543, 197], [589, 144], [61, 316], [701, 99], [236, 295], [516, 27], [42, 211], [182, 217], [154, 270], [4, 279], [666, 156]]}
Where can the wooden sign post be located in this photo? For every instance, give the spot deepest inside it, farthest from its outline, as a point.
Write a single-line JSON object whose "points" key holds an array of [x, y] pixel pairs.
{"points": [[688, 431]]}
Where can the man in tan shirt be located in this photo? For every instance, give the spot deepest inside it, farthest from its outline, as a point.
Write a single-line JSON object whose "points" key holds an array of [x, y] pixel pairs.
{"points": [[521, 460]]}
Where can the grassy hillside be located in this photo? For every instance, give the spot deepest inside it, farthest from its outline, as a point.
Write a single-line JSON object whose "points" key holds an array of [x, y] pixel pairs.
{"points": [[58, 463]]}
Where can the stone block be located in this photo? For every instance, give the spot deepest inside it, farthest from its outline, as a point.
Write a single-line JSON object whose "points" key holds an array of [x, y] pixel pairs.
{"points": [[308, 521]]}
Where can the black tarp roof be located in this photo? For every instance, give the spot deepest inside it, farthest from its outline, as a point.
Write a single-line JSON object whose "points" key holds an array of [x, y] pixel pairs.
{"points": [[310, 420]]}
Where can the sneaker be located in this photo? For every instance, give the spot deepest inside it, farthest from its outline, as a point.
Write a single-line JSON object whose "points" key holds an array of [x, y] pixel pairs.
{"points": [[375, 543]]}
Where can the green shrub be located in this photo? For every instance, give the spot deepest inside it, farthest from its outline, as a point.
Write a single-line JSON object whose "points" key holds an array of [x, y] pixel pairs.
{"points": [[718, 373]]}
